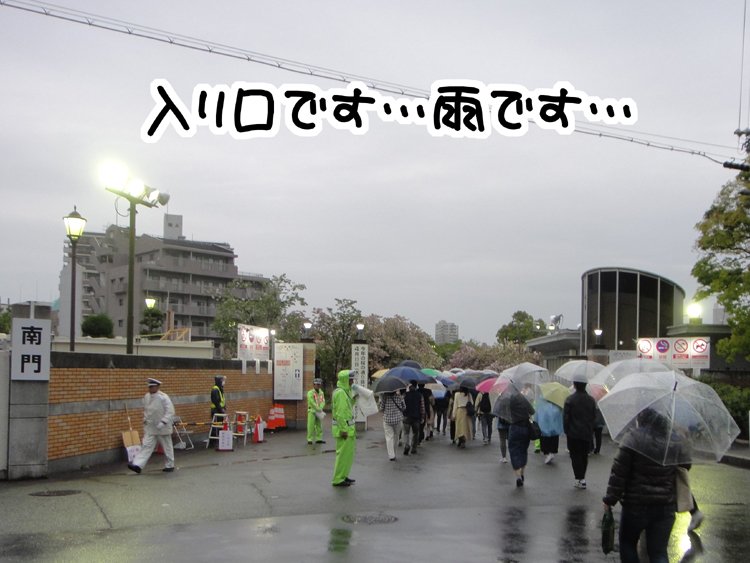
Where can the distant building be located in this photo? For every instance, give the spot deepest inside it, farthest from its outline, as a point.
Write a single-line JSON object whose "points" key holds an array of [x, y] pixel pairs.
{"points": [[627, 304], [184, 276], [446, 333]]}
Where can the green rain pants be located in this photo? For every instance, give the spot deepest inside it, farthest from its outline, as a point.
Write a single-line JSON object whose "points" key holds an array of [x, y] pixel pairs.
{"points": [[345, 448], [314, 427]]}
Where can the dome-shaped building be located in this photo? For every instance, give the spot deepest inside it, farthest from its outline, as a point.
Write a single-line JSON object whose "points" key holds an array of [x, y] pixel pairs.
{"points": [[627, 304]]}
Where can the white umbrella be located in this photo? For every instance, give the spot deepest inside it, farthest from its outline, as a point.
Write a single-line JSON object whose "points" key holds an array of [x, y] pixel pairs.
{"points": [[578, 370], [669, 417], [615, 371]]}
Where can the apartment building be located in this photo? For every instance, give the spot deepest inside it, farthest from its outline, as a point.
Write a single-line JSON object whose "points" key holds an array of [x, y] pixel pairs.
{"points": [[183, 276], [446, 333]]}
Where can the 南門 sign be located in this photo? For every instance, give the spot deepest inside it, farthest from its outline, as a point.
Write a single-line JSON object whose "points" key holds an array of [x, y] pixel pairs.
{"points": [[29, 359]]}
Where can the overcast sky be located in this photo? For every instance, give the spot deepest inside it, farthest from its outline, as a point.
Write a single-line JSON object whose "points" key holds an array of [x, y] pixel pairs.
{"points": [[402, 222]]}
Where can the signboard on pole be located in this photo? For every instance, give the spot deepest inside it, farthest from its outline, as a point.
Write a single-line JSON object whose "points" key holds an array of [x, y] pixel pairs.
{"points": [[680, 352], [31, 345], [253, 343], [360, 366], [288, 369]]}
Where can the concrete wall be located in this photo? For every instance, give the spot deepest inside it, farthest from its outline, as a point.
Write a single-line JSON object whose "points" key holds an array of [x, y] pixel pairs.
{"points": [[141, 347], [4, 400]]}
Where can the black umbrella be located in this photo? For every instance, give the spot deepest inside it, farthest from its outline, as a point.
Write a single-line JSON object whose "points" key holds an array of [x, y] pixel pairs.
{"points": [[466, 381], [389, 385]]}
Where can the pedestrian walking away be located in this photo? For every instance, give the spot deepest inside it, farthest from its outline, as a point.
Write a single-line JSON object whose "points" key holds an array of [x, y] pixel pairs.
{"points": [[461, 400], [549, 417], [484, 412], [441, 412], [343, 429], [414, 414], [579, 413], [158, 414], [429, 411], [316, 402], [519, 438], [502, 437], [646, 490], [393, 407]]}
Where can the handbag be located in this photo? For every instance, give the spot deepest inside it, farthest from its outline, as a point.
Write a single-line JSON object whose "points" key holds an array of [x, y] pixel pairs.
{"points": [[470, 411], [534, 431], [608, 531], [682, 489]]}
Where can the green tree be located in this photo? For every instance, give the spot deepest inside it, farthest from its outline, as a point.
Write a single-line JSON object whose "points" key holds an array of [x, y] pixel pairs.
{"points": [[152, 321], [98, 326], [521, 328], [5, 321], [446, 351], [334, 329], [265, 304], [723, 267]]}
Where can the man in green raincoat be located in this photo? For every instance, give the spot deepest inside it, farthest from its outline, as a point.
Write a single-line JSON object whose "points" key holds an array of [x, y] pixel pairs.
{"points": [[315, 402], [342, 428]]}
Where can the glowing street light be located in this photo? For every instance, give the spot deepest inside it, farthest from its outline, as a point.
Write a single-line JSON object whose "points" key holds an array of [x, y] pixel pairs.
{"points": [[74, 226], [117, 180]]}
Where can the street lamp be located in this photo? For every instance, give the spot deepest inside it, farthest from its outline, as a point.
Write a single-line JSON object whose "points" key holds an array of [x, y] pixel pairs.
{"points": [[306, 332], [598, 333], [695, 313], [150, 302], [74, 225], [360, 337], [117, 181]]}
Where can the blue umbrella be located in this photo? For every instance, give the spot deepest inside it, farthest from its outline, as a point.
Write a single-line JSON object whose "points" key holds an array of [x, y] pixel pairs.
{"points": [[410, 363], [406, 373]]}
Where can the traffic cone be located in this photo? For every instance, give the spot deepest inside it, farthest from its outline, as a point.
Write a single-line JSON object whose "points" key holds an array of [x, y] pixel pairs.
{"points": [[280, 416], [271, 424]]}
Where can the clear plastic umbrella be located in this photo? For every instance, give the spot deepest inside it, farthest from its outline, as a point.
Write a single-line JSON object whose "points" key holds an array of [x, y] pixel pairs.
{"points": [[669, 417], [615, 371], [524, 377], [578, 370]]}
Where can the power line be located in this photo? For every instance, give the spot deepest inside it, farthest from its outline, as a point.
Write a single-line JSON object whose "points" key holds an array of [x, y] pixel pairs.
{"points": [[213, 48]]}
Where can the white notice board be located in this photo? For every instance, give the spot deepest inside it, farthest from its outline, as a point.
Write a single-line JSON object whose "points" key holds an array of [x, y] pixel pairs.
{"points": [[288, 369]]}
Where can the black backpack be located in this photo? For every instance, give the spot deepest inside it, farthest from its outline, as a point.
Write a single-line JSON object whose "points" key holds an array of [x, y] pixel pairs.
{"points": [[485, 406]]}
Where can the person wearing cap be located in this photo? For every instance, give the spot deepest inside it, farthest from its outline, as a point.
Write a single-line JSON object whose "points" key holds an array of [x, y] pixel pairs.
{"points": [[316, 400], [342, 428], [158, 412]]}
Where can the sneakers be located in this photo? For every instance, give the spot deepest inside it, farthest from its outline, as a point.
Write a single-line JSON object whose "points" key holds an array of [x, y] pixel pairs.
{"points": [[695, 520], [350, 481], [134, 467], [168, 469], [504, 460], [342, 484], [519, 482], [548, 459], [580, 484]]}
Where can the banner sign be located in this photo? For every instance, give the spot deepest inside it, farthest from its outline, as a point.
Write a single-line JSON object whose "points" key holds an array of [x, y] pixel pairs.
{"points": [[360, 365], [253, 343], [288, 368], [692, 352], [31, 341]]}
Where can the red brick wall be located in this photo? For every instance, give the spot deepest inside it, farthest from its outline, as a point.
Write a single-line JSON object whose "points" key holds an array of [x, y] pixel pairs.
{"points": [[101, 395]]}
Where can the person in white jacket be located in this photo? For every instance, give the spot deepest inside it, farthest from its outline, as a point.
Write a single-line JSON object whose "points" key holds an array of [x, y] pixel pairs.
{"points": [[158, 413]]}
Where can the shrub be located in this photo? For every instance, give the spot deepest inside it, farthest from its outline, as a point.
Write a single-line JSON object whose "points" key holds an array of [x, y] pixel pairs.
{"points": [[98, 326], [737, 401]]}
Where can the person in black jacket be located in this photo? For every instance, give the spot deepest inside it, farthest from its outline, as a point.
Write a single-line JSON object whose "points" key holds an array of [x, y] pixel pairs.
{"points": [[414, 415], [579, 413], [645, 489]]}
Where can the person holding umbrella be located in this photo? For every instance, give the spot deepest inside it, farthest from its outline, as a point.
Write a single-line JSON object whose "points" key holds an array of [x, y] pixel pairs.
{"points": [[393, 406], [646, 489], [463, 413], [414, 414], [579, 413]]}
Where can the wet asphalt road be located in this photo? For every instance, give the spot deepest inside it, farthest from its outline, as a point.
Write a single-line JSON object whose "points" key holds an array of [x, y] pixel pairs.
{"points": [[274, 502]]}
